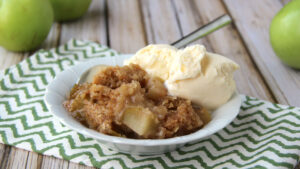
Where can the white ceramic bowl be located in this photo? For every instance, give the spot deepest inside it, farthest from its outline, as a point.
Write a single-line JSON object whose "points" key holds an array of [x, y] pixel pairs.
{"points": [[57, 91]]}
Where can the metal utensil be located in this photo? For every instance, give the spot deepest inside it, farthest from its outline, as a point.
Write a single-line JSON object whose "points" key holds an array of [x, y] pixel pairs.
{"points": [[203, 31]]}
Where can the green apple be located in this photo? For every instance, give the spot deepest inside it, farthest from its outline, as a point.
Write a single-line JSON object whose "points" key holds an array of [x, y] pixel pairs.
{"points": [[24, 24], [285, 34], [66, 10]]}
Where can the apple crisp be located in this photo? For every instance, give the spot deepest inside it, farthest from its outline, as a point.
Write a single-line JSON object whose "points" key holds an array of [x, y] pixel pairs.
{"points": [[128, 102]]}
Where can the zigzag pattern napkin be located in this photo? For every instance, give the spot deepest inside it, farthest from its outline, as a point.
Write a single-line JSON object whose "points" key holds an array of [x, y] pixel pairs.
{"points": [[264, 135]]}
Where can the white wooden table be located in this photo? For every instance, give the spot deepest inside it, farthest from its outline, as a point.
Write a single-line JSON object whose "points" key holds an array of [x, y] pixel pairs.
{"points": [[127, 26]]}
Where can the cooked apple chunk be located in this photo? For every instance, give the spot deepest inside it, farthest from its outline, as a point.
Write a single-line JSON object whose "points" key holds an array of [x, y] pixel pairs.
{"points": [[139, 119], [205, 116]]}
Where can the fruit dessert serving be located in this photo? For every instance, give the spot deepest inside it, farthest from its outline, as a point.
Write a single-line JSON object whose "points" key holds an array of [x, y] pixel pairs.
{"points": [[128, 102], [161, 92]]}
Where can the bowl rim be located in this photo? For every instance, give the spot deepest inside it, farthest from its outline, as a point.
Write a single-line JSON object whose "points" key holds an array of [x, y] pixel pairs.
{"points": [[61, 116]]}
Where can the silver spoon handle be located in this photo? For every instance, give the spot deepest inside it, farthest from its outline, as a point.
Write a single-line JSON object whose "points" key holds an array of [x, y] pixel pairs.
{"points": [[203, 31]]}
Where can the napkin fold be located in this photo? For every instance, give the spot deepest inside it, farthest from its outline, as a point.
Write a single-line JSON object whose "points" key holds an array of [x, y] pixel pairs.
{"points": [[264, 135]]}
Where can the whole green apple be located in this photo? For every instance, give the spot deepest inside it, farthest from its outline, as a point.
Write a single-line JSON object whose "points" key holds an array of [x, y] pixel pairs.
{"points": [[285, 34], [24, 24], [66, 10]]}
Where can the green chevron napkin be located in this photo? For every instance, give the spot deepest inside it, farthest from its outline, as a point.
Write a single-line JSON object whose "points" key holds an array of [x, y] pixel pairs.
{"points": [[264, 135]]}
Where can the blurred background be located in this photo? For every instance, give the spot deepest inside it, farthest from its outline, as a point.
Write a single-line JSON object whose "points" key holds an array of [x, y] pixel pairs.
{"points": [[127, 26]]}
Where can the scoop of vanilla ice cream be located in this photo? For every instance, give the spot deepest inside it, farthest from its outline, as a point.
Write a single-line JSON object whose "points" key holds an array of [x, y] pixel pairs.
{"points": [[186, 63], [169, 63], [211, 88], [192, 73]]}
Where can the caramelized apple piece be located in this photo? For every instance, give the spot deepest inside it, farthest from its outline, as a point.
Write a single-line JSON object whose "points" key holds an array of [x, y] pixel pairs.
{"points": [[205, 116], [140, 120]]}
